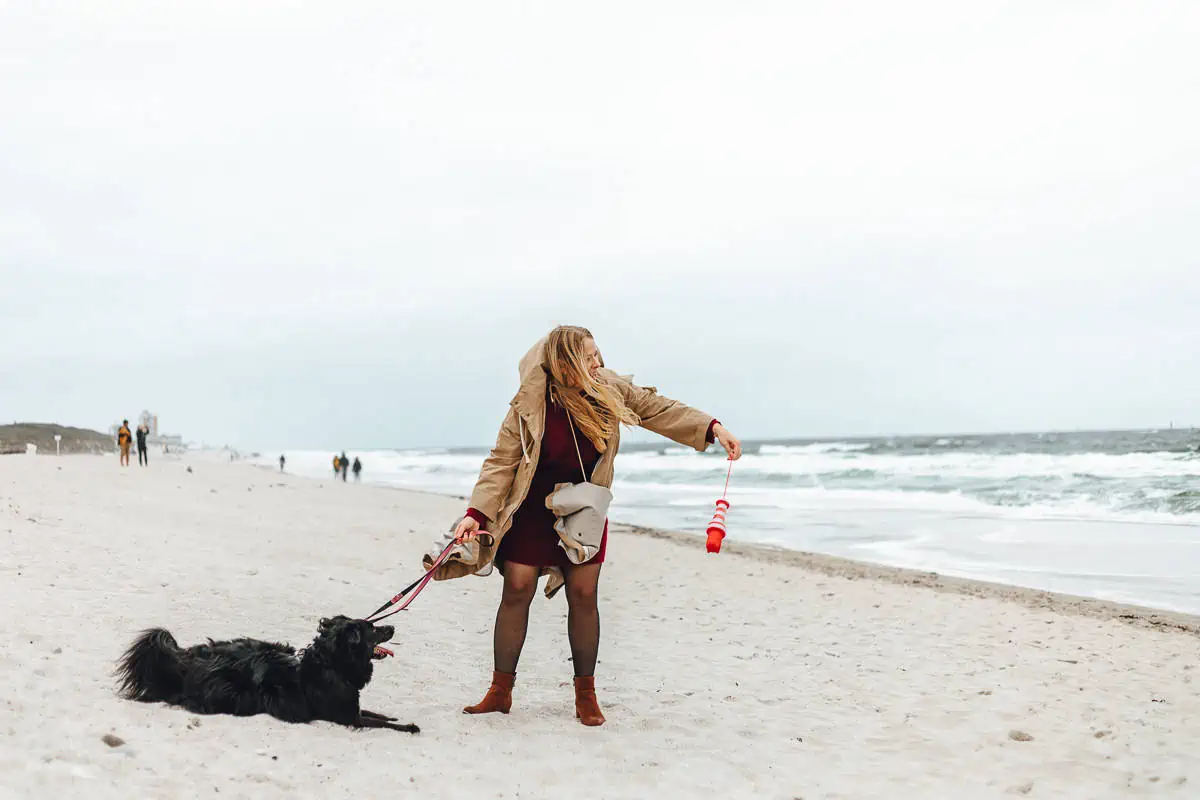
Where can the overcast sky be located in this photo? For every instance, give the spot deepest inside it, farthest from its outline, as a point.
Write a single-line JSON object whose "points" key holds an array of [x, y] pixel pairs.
{"points": [[287, 225]]}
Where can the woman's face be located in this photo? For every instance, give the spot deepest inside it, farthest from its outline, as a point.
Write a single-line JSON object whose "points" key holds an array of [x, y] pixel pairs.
{"points": [[591, 357]]}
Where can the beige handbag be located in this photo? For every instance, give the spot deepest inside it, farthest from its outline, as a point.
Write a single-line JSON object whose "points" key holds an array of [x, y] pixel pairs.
{"points": [[580, 510]]}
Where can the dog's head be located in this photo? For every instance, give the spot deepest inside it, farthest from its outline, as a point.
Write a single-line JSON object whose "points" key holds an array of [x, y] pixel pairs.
{"points": [[348, 645]]}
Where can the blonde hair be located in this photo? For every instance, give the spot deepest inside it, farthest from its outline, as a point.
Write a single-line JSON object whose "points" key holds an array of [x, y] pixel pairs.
{"points": [[596, 407]]}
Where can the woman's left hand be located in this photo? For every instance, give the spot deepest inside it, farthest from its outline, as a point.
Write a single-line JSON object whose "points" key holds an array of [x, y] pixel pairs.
{"points": [[730, 442]]}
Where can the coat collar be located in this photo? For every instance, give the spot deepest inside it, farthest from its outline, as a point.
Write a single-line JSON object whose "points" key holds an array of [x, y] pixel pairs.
{"points": [[530, 398]]}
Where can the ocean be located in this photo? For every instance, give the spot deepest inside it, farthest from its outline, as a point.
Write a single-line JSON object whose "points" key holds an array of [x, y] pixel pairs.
{"points": [[1114, 515]]}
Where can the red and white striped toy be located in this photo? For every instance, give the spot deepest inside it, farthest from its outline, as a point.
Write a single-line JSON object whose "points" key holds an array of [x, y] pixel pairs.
{"points": [[716, 528]]}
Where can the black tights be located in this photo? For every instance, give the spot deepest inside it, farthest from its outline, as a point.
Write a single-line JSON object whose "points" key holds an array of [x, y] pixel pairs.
{"points": [[583, 616]]}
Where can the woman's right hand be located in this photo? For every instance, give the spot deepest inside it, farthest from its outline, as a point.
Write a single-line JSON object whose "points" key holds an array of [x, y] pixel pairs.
{"points": [[467, 530]]}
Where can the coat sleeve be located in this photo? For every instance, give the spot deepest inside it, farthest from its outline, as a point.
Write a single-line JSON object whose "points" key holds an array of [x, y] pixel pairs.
{"points": [[666, 417], [499, 468]]}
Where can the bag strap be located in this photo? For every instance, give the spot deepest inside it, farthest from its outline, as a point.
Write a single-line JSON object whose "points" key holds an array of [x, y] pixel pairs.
{"points": [[575, 438]]}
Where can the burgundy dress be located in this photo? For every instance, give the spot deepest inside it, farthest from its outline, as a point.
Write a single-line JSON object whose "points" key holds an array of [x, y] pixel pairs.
{"points": [[531, 539]]}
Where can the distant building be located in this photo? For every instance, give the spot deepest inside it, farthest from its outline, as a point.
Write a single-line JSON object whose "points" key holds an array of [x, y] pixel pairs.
{"points": [[172, 443], [150, 421]]}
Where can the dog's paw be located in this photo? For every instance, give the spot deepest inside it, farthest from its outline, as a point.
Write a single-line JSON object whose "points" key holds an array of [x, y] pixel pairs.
{"points": [[376, 715]]}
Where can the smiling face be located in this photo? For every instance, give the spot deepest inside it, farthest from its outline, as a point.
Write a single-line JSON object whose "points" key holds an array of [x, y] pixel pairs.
{"points": [[591, 357], [573, 357]]}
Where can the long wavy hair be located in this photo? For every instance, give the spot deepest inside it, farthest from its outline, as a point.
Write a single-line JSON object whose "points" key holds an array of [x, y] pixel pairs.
{"points": [[596, 407]]}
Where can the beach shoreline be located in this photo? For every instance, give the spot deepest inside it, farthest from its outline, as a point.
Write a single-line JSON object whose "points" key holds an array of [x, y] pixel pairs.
{"points": [[830, 565], [855, 569], [1112, 517]]}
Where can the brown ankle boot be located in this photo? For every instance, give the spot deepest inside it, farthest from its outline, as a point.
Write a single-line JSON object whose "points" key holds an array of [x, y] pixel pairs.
{"points": [[498, 697], [587, 708]]}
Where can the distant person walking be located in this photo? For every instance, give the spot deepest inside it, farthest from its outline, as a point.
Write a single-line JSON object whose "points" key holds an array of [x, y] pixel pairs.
{"points": [[357, 469], [345, 466], [143, 453], [124, 440], [337, 464], [282, 462]]}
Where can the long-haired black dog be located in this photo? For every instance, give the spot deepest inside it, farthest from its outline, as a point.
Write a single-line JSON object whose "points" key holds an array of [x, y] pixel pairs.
{"points": [[245, 677]]}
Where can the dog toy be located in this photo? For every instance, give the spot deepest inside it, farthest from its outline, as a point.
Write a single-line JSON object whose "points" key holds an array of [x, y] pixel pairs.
{"points": [[716, 528], [381, 652]]}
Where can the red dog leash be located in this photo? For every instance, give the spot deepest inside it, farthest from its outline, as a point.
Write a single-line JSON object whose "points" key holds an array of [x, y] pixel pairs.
{"points": [[410, 592], [415, 587]]}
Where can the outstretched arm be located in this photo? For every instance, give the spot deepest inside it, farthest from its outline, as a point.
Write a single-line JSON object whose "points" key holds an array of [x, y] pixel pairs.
{"points": [[676, 421]]}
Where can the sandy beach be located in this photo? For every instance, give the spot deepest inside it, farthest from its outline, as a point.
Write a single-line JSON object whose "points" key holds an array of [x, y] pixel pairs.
{"points": [[756, 673]]}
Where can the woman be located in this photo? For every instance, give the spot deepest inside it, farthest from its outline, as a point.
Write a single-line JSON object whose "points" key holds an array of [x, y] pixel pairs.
{"points": [[563, 426], [124, 438]]}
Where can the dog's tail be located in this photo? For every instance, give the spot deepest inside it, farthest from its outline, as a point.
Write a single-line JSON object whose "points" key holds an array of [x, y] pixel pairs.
{"points": [[152, 668]]}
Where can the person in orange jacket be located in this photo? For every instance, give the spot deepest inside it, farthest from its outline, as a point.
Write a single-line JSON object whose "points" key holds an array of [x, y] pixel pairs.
{"points": [[124, 440]]}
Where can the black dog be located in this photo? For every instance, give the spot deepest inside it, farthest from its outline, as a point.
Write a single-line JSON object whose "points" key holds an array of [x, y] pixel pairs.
{"points": [[245, 677]]}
